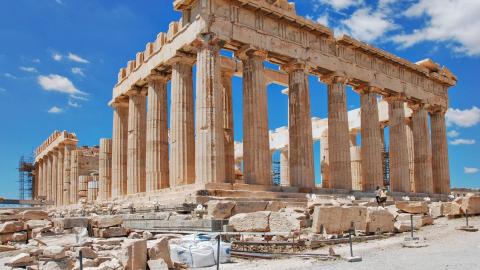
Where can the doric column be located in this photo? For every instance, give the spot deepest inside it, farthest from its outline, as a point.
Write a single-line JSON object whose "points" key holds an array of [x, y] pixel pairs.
{"points": [[136, 142], [67, 166], [256, 149], [105, 169], [45, 176], [156, 163], [83, 186], [338, 135], [209, 140], [440, 164], [356, 159], [371, 153], [411, 154], [422, 150], [119, 148], [399, 164], [54, 185], [39, 178], [182, 125], [324, 163], [300, 146], [284, 180], [228, 126], [74, 175], [48, 191], [60, 158]]}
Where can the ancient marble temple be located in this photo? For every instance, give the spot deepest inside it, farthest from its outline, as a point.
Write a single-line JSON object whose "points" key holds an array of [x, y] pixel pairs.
{"points": [[154, 149]]}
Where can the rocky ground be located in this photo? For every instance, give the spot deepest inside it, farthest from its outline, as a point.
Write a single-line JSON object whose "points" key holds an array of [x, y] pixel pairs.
{"points": [[447, 248]]}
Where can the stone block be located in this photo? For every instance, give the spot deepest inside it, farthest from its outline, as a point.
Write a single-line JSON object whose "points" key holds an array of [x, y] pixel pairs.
{"points": [[286, 221], [452, 209], [159, 249], [20, 237], [34, 223], [157, 265], [4, 248], [250, 222], [87, 253], [34, 214], [20, 260], [71, 222], [435, 209], [133, 254], [338, 219], [379, 220], [106, 221], [249, 207], [412, 207], [12, 226], [275, 206], [54, 252], [111, 232], [220, 209], [403, 222], [472, 204]]}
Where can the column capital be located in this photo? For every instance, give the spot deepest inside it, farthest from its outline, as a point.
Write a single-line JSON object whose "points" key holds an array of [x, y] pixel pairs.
{"points": [[208, 40], [294, 66], [249, 51], [136, 91], [437, 110], [417, 105], [152, 78], [367, 88], [333, 78], [183, 58], [393, 98]]}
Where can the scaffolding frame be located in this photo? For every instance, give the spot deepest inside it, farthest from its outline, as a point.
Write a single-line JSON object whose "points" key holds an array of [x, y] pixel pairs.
{"points": [[26, 175]]}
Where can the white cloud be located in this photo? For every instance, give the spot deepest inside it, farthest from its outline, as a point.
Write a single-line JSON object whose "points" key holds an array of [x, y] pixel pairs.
{"points": [[453, 134], [341, 4], [468, 170], [28, 69], [367, 25], [36, 60], [10, 75], [78, 71], [462, 141], [323, 19], [463, 118], [57, 57], [57, 83], [3, 89], [55, 110], [77, 58], [73, 104], [78, 97], [453, 21]]}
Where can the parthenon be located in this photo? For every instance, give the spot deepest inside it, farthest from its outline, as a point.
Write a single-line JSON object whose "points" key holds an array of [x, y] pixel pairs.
{"points": [[192, 145]]}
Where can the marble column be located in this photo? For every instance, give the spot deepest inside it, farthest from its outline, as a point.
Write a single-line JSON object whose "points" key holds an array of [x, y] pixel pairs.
{"points": [[119, 148], [83, 186], [422, 150], [284, 180], [39, 178], [76, 155], [182, 125], [136, 142], [300, 147], [209, 139], [156, 164], [228, 126], [67, 166], [356, 159], [440, 164], [60, 158], [371, 153], [411, 154], [338, 135], [48, 191], [44, 178], [54, 176], [105, 170], [324, 163], [256, 148], [399, 163]]}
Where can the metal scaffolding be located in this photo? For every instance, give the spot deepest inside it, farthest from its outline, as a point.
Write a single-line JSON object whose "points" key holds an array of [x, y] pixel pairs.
{"points": [[26, 169]]}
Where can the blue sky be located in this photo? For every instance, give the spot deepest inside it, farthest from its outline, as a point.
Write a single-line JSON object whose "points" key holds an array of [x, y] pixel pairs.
{"points": [[59, 60]]}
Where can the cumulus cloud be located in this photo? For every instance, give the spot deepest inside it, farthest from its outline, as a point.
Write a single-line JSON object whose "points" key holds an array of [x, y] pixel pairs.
{"points": [[367, 25], [55, 110], [57, 57], [78, 59], [452, 21], [462, 142], [57, 83], [28, 69], [468, 170], [78, 71], [453, 134], [463, 118], [341, 4]]}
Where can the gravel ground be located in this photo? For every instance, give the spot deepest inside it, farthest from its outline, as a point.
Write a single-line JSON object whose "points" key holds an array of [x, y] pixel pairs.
{"points": [[447, 248]]}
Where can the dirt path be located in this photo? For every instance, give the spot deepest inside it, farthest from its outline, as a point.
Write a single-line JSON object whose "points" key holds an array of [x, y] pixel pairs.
{"points": [[447, 249]]}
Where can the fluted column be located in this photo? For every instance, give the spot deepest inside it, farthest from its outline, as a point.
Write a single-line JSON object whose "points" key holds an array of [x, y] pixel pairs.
{"points": [[45, 177], [156, 163], [300, 147], [411, 154], [440, 164], [105, 169], [338, 135], [356, 158], [119, 148], [67, 166], [76, 155], [371, 153], [228, 126], [399, 164], [39, 177], [209, 140], [54, 176], [83, 186], [256, 149], [422, 150], [182, 125], [136, 142], [284, 175], [60, 158], [324, 163]]}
